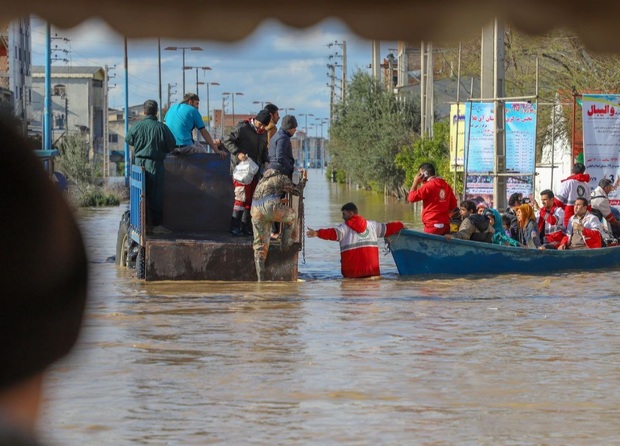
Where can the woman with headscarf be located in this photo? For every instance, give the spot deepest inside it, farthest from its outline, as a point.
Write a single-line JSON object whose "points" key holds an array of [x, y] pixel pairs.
{"points": [[528, 230], [499, 237]]}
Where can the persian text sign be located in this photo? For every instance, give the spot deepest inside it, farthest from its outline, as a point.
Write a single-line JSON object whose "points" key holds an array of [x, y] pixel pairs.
{"points": [[601, 139], [520, 124], [520, 137]]}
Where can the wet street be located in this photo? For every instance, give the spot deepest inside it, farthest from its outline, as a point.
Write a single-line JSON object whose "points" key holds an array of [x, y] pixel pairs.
{"points": [[507, 360]]}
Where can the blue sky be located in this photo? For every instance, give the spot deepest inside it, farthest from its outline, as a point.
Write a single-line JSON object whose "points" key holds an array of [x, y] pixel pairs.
{"points": [[276, 63]]}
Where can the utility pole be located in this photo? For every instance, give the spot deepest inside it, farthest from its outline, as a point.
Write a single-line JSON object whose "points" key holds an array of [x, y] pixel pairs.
{"points": [[492, 85], [170, 93], [375, 63], [427, 106], [106, 130], [342, 66]]}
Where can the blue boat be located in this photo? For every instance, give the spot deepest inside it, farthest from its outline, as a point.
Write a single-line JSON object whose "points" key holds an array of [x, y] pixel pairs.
{"points": [[417, 253]]}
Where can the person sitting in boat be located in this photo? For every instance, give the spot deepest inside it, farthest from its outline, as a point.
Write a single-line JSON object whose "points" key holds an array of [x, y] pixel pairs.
{"points": [[499, 236], [481, 207], [571, 188], [583, 230], [600, 202], [550, 220], [437, 198], [514, 201], [358, 237], [474, 226], [528, 231]]}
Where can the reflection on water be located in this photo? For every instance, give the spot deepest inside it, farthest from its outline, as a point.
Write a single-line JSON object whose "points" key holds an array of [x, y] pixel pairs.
{"points": [[484, 360]]}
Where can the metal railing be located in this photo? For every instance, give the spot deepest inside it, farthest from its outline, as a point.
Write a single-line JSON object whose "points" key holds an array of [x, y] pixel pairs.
{"points": [[137, 205]]}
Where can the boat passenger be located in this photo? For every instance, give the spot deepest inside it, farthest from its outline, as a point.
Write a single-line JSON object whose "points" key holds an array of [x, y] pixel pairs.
{"points": [[528, 231], [481, 207], [358, 238], [499, 237], [571, 188], [600, 201], [550, 221], [474, 226], [437, 198], [583, 230], [514, 201]]}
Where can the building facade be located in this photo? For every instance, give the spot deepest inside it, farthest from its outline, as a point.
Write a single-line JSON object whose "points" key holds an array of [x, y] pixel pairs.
{"points": [[79, 102], [15, 66]]}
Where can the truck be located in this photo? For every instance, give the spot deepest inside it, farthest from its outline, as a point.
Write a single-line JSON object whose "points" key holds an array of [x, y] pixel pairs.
{"points": [[197, 208]]}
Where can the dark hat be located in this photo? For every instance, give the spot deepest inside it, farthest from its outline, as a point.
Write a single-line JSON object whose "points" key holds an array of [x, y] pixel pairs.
{"points": [[263, 117], [289, 122]]}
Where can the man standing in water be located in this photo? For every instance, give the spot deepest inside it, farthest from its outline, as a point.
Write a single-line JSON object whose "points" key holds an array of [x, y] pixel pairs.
{"points": [[437, 198], [268, 207], [358, 238]]}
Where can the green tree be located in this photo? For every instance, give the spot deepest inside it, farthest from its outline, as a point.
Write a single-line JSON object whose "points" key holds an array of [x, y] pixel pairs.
{"points": [[77, 166], [369, 130]]}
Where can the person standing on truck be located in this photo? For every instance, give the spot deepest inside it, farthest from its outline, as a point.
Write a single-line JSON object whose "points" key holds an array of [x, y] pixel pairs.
{"points": [[182, 119], [248, 139], [151, 141], [272, 127]]}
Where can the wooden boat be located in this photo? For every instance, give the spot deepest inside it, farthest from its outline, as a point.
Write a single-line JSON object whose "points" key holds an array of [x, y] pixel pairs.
{"points": [[418, 253]]}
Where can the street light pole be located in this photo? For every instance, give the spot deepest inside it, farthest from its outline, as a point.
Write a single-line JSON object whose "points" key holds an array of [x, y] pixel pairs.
{"points": [[183, 48], [208, 106], [236, 93], [305, 142], [195, 68]]}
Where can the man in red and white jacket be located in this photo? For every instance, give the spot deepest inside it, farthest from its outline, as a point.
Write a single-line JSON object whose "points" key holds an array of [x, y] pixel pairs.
{"points": [[437, 197], [550, 220], [573, 187], [358, 237], [583, 230]]}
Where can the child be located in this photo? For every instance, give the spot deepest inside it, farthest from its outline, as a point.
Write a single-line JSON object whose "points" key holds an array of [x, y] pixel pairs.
{"points": [[506, 224]]}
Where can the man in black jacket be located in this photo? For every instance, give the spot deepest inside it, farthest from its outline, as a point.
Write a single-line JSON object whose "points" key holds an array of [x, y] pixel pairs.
{"points": [[247, 139]]}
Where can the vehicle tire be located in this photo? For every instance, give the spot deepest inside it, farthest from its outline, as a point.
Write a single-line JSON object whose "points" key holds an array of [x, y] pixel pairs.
{"points": [[121, 240], [141, 264]]}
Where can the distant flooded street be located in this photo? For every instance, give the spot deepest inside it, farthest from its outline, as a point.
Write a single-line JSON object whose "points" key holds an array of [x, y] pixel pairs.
{"points": [[522, 360]]}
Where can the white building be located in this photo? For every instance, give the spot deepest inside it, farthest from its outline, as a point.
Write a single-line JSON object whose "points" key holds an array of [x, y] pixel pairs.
{"points": [[15, 64], [79, 102]]}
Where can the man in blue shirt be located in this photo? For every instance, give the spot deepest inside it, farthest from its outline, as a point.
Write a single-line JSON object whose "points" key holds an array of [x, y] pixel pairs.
{"points": [[182, 119]]}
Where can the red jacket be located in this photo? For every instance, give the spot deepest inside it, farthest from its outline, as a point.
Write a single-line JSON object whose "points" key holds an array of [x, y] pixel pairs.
{"points": [[438, 201], [571, 188], [359, 249]]}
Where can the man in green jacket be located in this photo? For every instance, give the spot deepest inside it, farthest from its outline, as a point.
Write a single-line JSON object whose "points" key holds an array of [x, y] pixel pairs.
{"points": [[152, 140]]}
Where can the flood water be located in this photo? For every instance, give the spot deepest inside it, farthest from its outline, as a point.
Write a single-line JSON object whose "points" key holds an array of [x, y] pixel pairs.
{"points": [[510, 360]]}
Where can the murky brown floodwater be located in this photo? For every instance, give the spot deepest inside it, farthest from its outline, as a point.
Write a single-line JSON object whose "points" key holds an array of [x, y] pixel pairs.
{"points": [[512, 360]]}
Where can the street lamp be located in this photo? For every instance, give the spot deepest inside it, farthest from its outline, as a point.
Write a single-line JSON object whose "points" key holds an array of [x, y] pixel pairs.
{"points": [[183, 48], [195, 68], [262, 103], [304, 141], [236, 93], [290, 108], [208, 109]]}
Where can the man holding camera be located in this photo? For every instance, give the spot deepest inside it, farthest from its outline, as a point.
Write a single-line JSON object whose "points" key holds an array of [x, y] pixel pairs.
{"points": [[437, 198]]}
